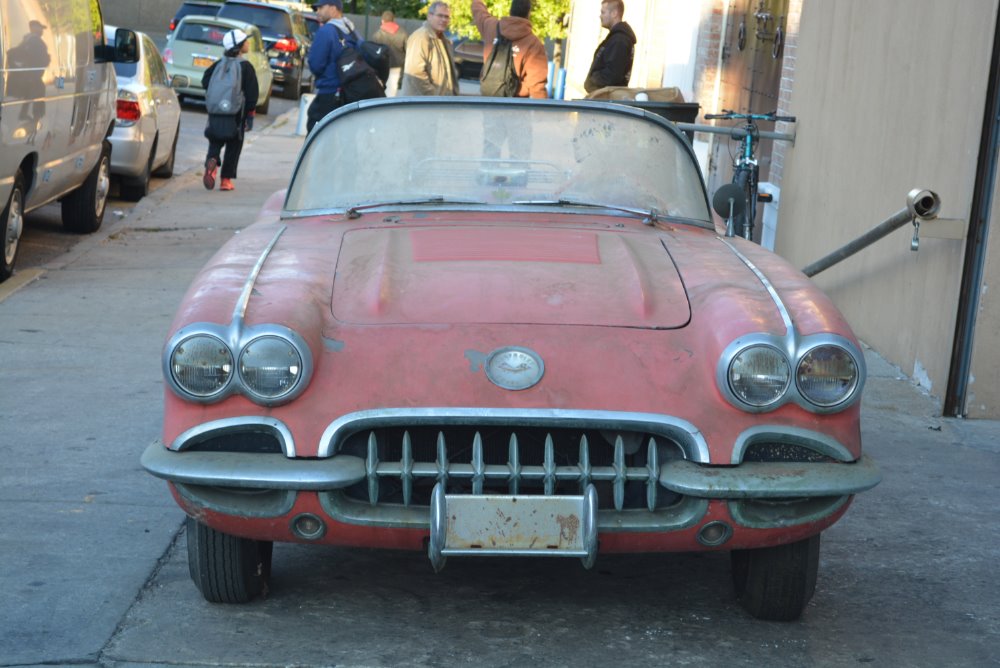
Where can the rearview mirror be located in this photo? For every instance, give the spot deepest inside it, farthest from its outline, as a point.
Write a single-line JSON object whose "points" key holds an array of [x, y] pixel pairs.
{"points": [[729, 201], [180, 81]]}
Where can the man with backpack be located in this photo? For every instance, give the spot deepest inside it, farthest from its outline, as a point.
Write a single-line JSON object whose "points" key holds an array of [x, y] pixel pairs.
{"points": [[341, 74], [514, 60], [231, 93]]}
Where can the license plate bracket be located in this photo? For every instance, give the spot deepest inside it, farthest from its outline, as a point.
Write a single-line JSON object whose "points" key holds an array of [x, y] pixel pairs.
{"points": [[481, 525]]}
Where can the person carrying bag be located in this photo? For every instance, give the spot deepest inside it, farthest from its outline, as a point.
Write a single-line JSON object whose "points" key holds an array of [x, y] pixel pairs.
{"points": [[231, 93]]}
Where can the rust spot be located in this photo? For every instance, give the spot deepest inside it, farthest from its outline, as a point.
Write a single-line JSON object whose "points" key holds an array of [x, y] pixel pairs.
{"points": [[569, 527]]}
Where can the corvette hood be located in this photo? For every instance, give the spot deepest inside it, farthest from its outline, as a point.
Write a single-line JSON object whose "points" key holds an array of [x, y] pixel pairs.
{"points": [[475, 275]]}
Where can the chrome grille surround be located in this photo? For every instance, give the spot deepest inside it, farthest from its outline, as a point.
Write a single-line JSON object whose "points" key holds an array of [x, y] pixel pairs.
{"points": [[510, 451]]}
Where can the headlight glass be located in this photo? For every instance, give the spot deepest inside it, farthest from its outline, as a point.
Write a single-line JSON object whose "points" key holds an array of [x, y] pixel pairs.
{"points": [[201, 365], [759, 375], [270, 367], [827, 375]]}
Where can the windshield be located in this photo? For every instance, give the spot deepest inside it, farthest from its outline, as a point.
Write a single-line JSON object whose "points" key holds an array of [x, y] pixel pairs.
{"points": [[500, 154], [203, 33], [273, 23]]}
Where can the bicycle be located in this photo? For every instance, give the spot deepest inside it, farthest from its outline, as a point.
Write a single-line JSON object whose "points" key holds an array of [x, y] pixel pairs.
{"points": [[745, 168]]}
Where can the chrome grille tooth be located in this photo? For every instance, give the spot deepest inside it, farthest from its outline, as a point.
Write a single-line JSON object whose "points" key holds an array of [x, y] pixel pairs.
{"points": [[442, 461], [371, 468], [514, 464], [653, 481], [406, 473], [478, 467], [585, 469], [620, 474], [550, 466]]}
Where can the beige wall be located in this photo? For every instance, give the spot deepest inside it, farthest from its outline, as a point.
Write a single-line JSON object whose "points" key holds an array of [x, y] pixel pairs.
{"points": [[889, 97], [984, 386]]}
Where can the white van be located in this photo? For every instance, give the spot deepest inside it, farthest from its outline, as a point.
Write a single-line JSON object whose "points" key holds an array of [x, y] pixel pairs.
{"points": [[57, 109]]}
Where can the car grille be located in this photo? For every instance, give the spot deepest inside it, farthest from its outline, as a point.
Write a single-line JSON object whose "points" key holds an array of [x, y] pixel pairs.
{"points": [[404, 464]]}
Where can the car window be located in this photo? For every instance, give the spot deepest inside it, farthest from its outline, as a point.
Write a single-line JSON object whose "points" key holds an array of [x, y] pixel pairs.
{"points": [[203, 33], [126, 70], [273, 23], [157, 71], [498, 154], [188, 8]]}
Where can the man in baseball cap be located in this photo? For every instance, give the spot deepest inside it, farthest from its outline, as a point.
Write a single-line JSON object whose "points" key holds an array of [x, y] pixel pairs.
{"points": [[320, 3], [233, 39]]}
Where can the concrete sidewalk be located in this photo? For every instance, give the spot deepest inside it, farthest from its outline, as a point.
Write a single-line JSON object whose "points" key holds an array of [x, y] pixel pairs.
{"points": [[82, 526], [84, 530]]}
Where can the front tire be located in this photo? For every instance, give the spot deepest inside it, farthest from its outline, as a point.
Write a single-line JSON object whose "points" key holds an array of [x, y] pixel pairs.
{"points": [[292, 90], [11, 226], [83, 209], [227, 569], [776, 583]]}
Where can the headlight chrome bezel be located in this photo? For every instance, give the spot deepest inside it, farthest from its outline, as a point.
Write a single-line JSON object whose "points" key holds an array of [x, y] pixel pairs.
{"points": [[794, 350], [237, 339]]}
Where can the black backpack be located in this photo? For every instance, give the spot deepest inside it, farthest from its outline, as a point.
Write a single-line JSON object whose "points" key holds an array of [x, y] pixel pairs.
{"points": [[499, 78], [358, 79]]}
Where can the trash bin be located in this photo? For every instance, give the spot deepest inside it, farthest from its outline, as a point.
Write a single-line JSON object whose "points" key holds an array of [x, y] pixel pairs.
{"points": [[678, 112]]}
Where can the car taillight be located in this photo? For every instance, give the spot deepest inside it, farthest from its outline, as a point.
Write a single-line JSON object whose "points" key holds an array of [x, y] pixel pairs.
{"points": [[173, 24], [286, 45], [168, 56], [128, 110]]}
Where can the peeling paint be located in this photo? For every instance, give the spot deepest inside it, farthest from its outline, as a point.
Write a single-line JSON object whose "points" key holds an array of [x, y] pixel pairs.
{"points": [[920, 376], [476, 360]]}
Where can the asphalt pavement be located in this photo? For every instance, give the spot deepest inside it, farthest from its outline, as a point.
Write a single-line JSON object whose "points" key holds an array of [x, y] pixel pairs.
{"points": [[94, 570]]}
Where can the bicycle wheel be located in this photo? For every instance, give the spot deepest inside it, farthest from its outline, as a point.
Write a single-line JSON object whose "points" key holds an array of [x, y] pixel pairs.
{"points": [[744, 221]]}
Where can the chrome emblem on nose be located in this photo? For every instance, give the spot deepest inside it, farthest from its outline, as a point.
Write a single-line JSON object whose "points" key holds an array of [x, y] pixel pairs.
{"points": [[514, 368]]}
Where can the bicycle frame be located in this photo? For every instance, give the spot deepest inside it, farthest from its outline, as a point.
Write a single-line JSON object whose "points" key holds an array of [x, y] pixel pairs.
{"points": [[746, 170]]}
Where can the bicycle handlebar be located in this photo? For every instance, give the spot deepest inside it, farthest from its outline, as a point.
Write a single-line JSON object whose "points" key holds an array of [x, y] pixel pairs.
{"points": [[728, 114]]}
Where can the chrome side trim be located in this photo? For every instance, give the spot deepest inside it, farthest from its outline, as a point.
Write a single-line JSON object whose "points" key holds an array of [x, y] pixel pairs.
{"points": [[770, 480], [240, 310], [807, 438], [245, 471], [245, 423], [785, 316], [690, 439]]}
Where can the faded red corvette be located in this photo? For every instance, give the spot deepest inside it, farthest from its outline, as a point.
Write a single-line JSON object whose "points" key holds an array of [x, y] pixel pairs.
{"points": [[511, 330]]}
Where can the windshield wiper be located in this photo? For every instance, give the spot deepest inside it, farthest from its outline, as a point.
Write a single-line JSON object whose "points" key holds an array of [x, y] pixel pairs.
{"points": [[649, 216], [355, 211]]}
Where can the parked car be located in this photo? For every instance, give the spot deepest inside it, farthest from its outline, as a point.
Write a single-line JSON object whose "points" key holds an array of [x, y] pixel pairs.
{"points": [[313, 24], [197, 43], [286, 38], [202, 7], [469, 57], [57, 92], [532, 341], [144, 141]]}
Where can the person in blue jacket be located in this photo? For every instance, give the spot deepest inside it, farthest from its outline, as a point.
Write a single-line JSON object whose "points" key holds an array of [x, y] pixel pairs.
{"points": [[323, 54]]}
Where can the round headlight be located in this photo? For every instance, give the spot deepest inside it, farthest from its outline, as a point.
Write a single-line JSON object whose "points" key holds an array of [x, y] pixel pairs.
{"points": [[201, 365], [270, 367], [827, 375], [759, 375]]}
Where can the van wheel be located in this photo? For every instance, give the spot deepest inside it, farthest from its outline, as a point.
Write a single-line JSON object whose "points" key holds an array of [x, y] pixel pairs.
{"points": [[776, 583], [166, 170], [12, 220], [83, 209], [227, 569], [135, 188]]}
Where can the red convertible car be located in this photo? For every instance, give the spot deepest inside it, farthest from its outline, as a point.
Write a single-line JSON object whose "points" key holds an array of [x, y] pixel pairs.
{"points": [[501, 327]]}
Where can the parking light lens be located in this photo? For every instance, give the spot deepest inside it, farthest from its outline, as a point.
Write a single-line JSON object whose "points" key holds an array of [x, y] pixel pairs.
{"points": [[759, 375], [270, 367], [827, 375], [201, 365]]}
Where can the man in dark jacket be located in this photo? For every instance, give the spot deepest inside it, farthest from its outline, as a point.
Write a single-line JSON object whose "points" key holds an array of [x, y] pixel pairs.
{"points": [[328, 45], [612, 64], [226, 130]]}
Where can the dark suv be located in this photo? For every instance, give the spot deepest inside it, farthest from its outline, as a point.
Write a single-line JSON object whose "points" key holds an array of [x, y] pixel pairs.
{"points": [[202, 7], [286, 38]]}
